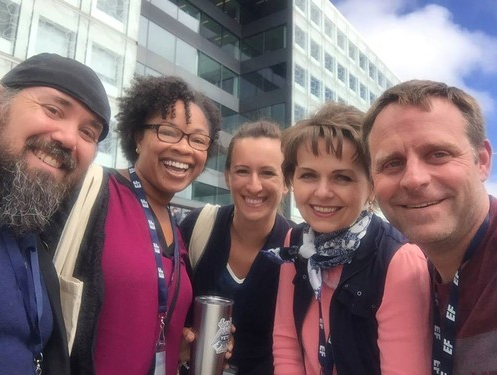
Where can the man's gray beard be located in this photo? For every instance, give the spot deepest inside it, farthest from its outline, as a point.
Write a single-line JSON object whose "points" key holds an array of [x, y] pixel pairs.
{"points": [[28, 199]]}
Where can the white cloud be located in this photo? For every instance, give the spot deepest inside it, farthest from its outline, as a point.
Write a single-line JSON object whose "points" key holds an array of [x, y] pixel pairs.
{"points": [[424, 42], [491, 187]]}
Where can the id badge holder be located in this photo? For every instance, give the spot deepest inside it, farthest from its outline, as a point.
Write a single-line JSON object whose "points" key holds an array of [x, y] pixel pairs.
{"points": [[160, 351], [160, 362]]}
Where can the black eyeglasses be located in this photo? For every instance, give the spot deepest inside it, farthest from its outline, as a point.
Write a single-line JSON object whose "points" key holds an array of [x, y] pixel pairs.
{"points": [[171, 134]]}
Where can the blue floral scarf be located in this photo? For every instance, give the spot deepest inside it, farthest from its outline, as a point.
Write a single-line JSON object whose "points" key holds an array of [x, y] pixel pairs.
{"points": [[325, 251]]}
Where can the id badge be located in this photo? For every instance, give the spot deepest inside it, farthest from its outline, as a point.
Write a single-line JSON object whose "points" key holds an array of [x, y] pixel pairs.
{"points": [[160, 350], [160, 363]]}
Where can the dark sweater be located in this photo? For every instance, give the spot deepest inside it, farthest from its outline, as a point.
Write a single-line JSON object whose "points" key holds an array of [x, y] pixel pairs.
{"points": [[354, 329], [255, 300]]}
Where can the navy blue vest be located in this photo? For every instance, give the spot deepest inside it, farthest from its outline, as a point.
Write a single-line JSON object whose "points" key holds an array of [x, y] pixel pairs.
{"points": [[354, 304]]}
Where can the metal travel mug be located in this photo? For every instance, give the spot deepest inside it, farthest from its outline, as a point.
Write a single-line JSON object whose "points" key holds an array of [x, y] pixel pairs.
{"points": [[212, 327]]}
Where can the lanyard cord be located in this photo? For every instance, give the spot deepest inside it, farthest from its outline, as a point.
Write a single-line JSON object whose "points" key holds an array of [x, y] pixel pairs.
{"points": [[325, 353], [162, 287], [28, 277], [443, 349]]}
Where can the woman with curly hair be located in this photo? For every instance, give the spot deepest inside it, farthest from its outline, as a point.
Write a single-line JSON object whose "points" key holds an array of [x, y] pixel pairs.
{"points": [[132, 261]]}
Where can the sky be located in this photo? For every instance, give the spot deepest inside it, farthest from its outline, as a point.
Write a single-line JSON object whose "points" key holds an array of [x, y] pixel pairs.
{"points": [[453, 41]]}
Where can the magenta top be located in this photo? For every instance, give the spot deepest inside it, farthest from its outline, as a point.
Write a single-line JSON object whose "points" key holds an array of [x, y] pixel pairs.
{"points": [[128, 326]]}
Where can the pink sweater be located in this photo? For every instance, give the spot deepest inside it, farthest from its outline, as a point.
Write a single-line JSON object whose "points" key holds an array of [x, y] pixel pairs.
{"points": [[404, 333], [128, 326]]}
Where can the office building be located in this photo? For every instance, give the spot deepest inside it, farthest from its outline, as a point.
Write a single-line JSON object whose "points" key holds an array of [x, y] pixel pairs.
{"points": [[277, 59], [258, 58]]}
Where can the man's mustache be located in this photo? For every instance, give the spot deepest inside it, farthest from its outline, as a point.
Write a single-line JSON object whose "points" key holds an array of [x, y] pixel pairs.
{"points": [[54, 149]]}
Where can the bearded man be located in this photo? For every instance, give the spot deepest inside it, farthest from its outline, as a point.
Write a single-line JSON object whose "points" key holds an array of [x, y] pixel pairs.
{"points": [[53, 113]]}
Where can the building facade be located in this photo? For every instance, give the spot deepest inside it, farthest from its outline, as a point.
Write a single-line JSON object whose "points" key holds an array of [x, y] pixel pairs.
{"points": [[277, 59], [99, 33]]}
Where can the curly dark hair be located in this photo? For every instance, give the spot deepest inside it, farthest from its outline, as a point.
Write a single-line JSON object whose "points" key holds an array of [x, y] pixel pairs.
{"points": [[148, 95]]}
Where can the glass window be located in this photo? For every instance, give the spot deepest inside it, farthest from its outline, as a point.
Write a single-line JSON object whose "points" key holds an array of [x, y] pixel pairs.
{"points": [[300, 37], [278, 113], [298, 112], [381, 79], [352, 82], [253, 46], [231, 122], [275, 39], [315, 51], [54, 38], [9, 14], [329, 94], [372, 70], [117, 9], [161, 42], [256, 114], [152, 72], [341, 40], [328, 28], [329, 63], [301, 4], [188, 15], [229, 7], [231, 44], [106, 64], [139, 69], [315, 87], [166, 6], [209, 69], [210, 29], [143, 31], [275, 112], [229, 82], [341, 73], [263, 80], [352, 51], [315, 15], [186, 56], [217, 74], [363, 92], [209, 193], [299, 75], [252, 11], [363, 61], [341, 100], [270, 40], [372, 98]]}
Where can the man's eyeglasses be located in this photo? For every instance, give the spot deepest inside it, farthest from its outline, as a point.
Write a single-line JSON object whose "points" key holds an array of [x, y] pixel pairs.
{"points": [[171, 134]]}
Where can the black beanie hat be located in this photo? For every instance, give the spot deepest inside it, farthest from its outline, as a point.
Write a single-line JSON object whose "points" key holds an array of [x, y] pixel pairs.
{"points": [[64, 74]]}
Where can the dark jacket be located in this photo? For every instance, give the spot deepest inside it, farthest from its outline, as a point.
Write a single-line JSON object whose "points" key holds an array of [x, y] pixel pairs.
{"points": [[253, 310], [354, 329], [55, 353]]}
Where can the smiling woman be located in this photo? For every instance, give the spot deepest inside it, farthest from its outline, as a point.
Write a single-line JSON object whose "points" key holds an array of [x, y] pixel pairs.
{"points": [[356, 292], [232, 265], [132, 248]]}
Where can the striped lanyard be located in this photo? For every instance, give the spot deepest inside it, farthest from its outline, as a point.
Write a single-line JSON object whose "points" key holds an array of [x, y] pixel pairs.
{"points": [[162, 286], [325, 353], [443, 349]]}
